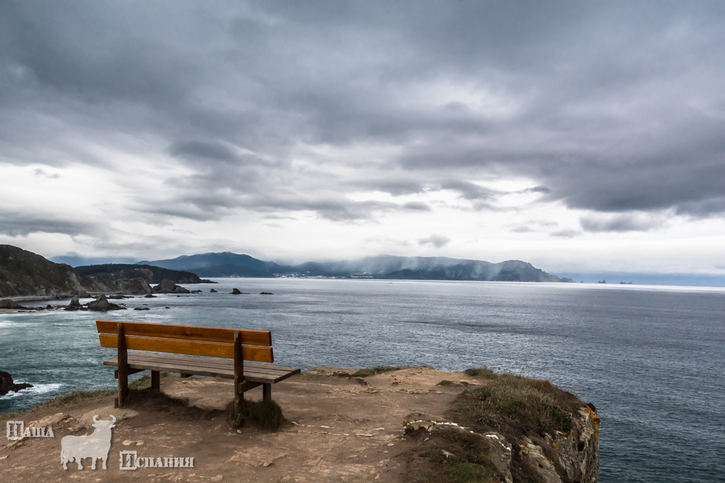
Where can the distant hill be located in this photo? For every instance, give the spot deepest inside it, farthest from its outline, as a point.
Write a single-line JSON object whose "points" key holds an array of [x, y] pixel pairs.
{"points": [[510, 271], [224, 264], [24, 273], [152, 274], [228, 264]]}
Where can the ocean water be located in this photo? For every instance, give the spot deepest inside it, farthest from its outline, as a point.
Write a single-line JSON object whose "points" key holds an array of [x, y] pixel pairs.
{"points": [[650, 358]]}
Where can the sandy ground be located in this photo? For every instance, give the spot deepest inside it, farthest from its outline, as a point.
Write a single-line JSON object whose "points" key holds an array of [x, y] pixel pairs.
{"points": [[338, 429]]}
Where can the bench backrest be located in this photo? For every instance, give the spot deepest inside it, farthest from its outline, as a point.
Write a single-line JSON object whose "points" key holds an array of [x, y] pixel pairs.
{"points": [[187, 339]]}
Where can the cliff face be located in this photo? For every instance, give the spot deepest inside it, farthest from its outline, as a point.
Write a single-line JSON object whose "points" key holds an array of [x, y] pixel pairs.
{"points": [[151, 274], [23, 273], [514, 429], [491, 456]]}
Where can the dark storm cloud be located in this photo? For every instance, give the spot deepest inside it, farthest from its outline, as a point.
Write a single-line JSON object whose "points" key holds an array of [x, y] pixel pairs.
{"points": [[416, 206], [619, 223], [469, 191], [438, 241], [611, 107], [21, 224], [199, 150], [396, 187]]}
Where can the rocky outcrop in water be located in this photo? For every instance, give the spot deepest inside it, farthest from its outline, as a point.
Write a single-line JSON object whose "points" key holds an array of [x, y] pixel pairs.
{"points": [[168, 286], [103, 305], [75, 304], [7, 304], [133, 286], [8, 385]]}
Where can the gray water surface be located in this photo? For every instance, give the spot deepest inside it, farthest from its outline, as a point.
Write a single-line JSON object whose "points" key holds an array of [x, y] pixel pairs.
{"points": [[650, 358]]}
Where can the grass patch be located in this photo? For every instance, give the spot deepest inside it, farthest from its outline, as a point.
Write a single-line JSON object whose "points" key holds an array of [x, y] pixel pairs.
{"points": [[518, 405], [375, 370], [75, 397], [482, 371], [267, 414], [145, 381], [470, 473]]}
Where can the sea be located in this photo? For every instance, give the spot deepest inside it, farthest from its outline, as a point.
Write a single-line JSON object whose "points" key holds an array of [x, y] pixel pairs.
{"points": [[651, 358]]}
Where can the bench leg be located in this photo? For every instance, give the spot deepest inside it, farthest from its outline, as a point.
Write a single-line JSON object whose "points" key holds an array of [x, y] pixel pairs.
{"points": [[266, 392], [122, 367], [155, 381]]}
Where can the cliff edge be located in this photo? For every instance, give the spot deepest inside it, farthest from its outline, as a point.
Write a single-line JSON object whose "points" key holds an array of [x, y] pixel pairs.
{"points": [[375, 425]]}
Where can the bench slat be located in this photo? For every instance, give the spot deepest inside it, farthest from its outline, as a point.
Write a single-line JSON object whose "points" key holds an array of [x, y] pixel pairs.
{"points": [[210, 363], [189, 365], [194, 348], [191, 332]]}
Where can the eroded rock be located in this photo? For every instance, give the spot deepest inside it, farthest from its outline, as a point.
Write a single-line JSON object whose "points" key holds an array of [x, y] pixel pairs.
{"points": [[101, 304], [168, 286], [8, 385]]}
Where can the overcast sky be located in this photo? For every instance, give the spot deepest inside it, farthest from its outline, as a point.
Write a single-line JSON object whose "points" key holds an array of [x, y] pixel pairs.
{"points": [[582, 135]]}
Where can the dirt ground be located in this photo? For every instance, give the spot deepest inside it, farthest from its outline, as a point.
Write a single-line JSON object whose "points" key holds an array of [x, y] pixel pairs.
{"points": [[337, 429]]}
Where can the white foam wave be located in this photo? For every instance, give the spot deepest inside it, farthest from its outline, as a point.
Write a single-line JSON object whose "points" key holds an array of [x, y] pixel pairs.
{"points": [[33, 391]]}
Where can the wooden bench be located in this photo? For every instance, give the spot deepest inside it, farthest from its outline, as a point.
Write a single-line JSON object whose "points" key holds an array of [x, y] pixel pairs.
{"points": [[229, 348]]}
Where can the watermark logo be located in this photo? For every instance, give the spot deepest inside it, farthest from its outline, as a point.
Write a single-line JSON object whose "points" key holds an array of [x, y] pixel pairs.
{"points": [[130, 460], [95, 445], [16, 430]]}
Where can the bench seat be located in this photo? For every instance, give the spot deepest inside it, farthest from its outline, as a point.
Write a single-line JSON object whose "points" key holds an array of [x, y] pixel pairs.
{"points": [[259, 373]]}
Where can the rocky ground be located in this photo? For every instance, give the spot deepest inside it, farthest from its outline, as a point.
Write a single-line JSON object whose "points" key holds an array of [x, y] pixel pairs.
{"points": [[338, 429]]}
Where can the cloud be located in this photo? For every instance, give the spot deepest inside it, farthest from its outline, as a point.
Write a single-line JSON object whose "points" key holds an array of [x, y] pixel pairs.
{"points": [[620, 223], [282, 108], [23, 224], [468, 190], [438, 241], [397, 187], [199, 150], [565, 233], [416, 206]]}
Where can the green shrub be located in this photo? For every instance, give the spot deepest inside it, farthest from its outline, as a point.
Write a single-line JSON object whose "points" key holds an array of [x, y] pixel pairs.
{"points": [[482, 371], [267, 414], [375, 370], [469, 473], [517, 404]]}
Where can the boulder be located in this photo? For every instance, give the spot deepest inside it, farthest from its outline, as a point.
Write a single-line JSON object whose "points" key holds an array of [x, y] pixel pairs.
{"points": [[168, 286], [212, 291], [7, 304], [135, 286], [237, 292], [7, 384], [101, 304], [75, 304]]}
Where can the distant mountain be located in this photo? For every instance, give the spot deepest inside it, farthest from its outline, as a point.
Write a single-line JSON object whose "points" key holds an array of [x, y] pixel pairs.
{"points": [[224, 264], [152, 274], [228, 264], [430, 268]]}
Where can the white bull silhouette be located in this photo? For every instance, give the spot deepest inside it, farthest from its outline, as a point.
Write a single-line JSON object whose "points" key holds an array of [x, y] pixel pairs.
{"points": [[95, 445]]}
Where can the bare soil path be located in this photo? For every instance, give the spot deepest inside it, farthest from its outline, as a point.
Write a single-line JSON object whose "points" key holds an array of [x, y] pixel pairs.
{"points": [[337, 429]]}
